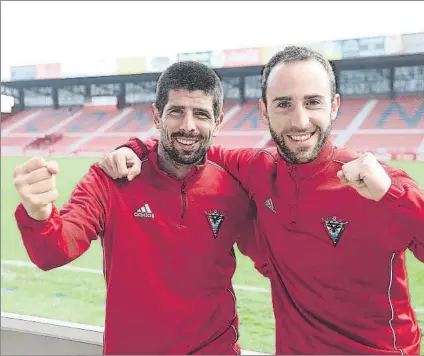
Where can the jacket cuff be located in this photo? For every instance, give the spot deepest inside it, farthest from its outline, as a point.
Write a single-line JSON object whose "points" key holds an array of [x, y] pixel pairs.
{"points": [[392, 196], [136, 145], [25, 222]]}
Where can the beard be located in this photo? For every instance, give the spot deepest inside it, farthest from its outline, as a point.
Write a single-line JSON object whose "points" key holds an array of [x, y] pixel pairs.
{"points": [[301, 155], [180, 156]]}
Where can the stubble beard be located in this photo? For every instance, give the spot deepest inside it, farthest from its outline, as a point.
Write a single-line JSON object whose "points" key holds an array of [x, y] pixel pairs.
{"points": [[184, 158], [301, 156]]}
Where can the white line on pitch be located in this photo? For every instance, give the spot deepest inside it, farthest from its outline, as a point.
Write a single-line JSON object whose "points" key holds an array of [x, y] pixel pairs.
{"points": [[18, 263]]}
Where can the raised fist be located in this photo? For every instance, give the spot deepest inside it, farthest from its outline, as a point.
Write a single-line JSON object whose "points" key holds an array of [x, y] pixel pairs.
{"points": [[366, 175], [36, 184]]}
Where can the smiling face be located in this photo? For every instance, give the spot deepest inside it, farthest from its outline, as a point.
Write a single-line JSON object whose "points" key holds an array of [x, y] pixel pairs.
{"points": [[187, 125], [300, 109]]}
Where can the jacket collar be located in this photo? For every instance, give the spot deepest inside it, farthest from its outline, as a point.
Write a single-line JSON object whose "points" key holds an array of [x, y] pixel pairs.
{"points": [[153, 158], [308, 170]]}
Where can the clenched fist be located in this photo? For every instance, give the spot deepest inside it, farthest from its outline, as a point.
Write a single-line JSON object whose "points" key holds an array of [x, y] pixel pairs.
{"points": [[121, 163], [366, 175], [35, 182]]}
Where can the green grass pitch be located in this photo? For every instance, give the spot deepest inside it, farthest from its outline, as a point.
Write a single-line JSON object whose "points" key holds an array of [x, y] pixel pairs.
{"points": [[79, 297]]}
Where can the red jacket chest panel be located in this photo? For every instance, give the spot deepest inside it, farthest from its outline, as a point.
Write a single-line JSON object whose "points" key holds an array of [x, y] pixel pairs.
{"points": [[316, 224], [189, 230]]}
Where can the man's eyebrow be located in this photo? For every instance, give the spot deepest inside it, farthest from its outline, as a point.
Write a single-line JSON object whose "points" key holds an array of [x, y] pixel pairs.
{"points": [[203, 110], [175, 107], [182, 107], [282, 98], [314, 96]]}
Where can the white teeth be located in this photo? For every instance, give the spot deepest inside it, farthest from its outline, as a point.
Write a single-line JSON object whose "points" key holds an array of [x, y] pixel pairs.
{"points": [[185, 141], [301, 138]]}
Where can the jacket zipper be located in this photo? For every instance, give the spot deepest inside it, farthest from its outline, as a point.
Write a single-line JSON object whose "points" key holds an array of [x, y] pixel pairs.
{"points": [[184, 196], [184, 203], [296, 198]]}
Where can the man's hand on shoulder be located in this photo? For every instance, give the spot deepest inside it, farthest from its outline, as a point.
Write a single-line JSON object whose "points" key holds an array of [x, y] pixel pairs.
{"points": [[36, 184], [121, 163], [367, 176]]}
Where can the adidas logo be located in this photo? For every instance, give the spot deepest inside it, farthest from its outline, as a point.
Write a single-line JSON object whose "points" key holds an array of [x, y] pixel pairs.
{"points": [[270, 205], [144, 212]]}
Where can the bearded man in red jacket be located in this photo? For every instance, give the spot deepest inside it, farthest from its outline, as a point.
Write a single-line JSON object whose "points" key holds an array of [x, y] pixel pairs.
{"points": [[167, 236], [336, 223]]}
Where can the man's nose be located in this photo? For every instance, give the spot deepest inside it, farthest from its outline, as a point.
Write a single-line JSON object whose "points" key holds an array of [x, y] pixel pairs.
{"points": [[188, 123], [300, 117]]}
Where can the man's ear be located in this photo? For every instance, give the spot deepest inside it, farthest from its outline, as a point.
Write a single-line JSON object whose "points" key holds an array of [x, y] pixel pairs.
{"points": [[263, 112], [156, 117], [218, 124], [335, 105]]}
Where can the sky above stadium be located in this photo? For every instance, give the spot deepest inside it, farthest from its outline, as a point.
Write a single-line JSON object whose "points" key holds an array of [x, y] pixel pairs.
{"points": [[45, 32], [79, 34]]}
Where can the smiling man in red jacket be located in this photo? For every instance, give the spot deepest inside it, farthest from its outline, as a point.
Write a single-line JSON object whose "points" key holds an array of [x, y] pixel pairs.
{"points": [[167, 236], [336, 223]]}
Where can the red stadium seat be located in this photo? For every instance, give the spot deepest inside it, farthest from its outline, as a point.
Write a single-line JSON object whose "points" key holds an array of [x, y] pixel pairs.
{"points": [[391, 126]]}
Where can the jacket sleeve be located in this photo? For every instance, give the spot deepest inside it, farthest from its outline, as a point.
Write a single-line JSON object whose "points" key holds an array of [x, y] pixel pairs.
{"points": [[251, 244], [237, 162], [405, 202], [140, 148], [67, 233], [234, 161]]}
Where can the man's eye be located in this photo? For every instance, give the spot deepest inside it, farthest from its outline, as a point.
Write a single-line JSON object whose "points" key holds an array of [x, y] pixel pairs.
{"points": [[313, 102], [283, 105], [202, 115]]}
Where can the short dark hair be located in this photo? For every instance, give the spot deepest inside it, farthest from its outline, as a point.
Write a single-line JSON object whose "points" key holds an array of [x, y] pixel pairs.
{"points": [[293, 54], [191, 76]]}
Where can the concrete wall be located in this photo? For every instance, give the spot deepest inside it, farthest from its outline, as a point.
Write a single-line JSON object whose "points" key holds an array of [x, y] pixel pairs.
{"points": [[27, 335]]}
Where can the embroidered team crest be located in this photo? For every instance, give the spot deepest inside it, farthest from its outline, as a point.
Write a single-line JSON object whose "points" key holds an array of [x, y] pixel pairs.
{"points": [[215, 220], [335, 228], [270, 205]]}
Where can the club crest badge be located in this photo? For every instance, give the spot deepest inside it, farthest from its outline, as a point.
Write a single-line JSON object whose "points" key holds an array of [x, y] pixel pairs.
{"points": [[270, 205], [215, 220], [334, 228]]}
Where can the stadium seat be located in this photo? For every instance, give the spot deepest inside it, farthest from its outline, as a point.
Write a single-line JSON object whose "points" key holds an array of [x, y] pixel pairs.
{"points": [[399, 113], [391, 125]]}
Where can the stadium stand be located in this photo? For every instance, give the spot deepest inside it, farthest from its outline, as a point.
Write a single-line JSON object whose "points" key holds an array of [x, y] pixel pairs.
{"points": [[376, 125]]}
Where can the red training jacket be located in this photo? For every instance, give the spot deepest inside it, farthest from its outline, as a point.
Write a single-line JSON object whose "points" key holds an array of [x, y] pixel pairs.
{"points": [[339, 282], [168, 255]]}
